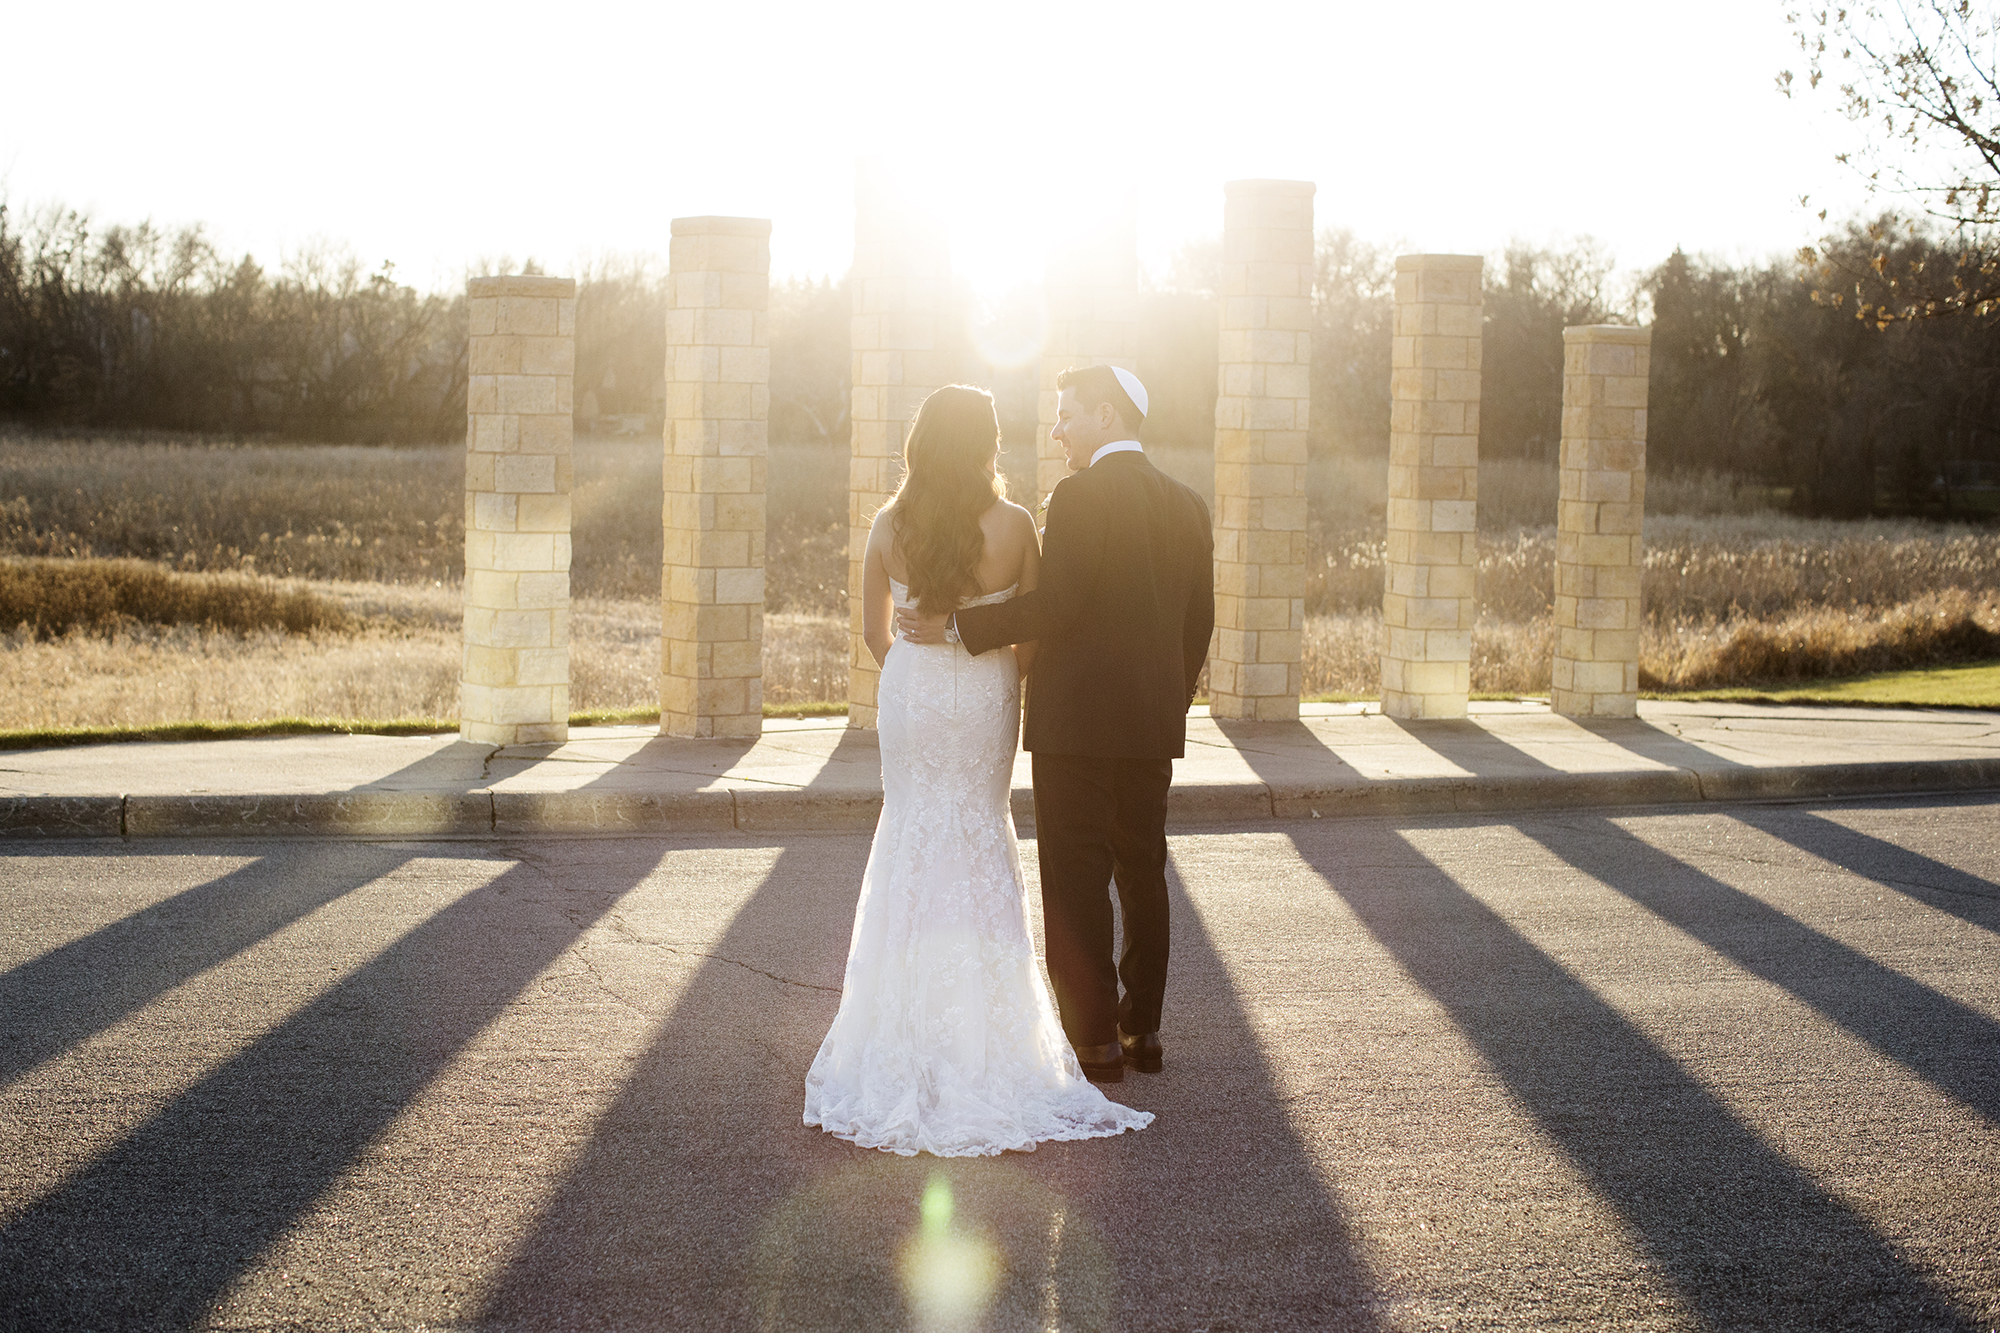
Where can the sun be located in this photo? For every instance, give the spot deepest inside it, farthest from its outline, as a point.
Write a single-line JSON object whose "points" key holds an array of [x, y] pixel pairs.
{"points": [[1007, 216]]}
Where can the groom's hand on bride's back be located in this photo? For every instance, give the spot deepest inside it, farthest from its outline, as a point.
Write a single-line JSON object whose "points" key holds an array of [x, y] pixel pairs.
{"points": [[913, 626]]}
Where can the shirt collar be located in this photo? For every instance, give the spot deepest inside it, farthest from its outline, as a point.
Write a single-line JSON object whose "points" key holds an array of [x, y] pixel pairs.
{"points": [[1117, 447]]}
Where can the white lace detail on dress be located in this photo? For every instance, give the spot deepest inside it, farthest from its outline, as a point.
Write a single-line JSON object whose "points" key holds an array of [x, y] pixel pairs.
{"points": [[946, 1041]]}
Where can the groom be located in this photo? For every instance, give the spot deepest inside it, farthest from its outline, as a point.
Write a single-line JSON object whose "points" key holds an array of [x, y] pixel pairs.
{"points": [[1123, 611]]}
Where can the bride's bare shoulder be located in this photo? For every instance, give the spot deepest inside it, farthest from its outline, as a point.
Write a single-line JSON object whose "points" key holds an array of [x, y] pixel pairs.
{"points": [[1016, 520]]}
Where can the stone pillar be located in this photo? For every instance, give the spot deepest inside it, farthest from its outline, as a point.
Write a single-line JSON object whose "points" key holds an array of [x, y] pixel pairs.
{"points": [[1430, 584], [1092, 292], [514, 687], [1261, 415], [717, 448], [1598, 517], [900, 284]]}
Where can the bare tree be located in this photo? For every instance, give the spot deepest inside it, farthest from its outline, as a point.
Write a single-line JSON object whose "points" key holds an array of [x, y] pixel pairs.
{"points": [[1919, 77]]}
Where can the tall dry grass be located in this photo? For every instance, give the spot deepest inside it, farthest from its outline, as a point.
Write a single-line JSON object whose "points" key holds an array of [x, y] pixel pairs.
{"points": [[399, 661], [1697, 568], [392, 514], [1343, 655], [1731, 589], [1349, 495], [381, 514], [148, 675]]}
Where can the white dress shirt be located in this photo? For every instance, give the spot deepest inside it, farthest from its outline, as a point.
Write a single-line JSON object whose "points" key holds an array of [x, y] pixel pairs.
{"points": [[1117, 447]]}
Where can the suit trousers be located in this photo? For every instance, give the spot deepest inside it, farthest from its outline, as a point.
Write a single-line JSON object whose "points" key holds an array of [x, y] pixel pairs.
{"points": [[1100, 821]]}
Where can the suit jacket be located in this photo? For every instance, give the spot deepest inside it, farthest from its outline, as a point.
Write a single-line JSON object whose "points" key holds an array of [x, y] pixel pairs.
{"points": [[1123, 611]]}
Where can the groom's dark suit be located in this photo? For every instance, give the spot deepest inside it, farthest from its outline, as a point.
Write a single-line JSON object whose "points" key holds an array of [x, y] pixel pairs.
{"points": [[1123, 611]]}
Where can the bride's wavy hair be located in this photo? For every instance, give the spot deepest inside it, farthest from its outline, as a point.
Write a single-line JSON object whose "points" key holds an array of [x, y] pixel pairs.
{"points": [[949, 480]]}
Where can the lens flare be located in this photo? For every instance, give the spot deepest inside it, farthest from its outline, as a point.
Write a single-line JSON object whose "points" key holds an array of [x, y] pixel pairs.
{"points": [[948, 1277], [921, 1243], [1012, 339]]}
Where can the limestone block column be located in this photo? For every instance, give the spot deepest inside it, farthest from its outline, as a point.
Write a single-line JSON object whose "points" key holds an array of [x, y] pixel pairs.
{"points": [[1261, 414], [1429, 589], [514, 686], [900, 283], [717, 450], [1598, 517], [1092, 294]]}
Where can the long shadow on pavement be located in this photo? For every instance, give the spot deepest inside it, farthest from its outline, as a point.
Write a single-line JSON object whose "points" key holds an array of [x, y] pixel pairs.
{"points": [[1912, 874], [79, 989], [1948, 1044], [73, 992], [1746, 1238], [702, 1201], [1470, 746], [148, 1234], [1650, 741]]}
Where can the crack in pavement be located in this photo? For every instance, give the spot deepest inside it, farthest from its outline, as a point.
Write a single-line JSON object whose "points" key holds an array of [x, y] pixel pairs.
{"points": [[582, 952], [615, 921], [738, 962]]}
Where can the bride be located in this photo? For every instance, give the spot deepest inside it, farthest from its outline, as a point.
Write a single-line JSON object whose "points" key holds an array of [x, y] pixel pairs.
{"points": [[946, 1041]]}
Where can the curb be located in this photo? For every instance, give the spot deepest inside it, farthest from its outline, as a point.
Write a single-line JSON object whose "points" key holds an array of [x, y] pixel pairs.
{"points": [[1820, 780], [487, 813]]}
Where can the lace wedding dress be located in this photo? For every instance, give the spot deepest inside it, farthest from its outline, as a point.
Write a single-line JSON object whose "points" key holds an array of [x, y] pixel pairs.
{"points": [[946, 1041]]}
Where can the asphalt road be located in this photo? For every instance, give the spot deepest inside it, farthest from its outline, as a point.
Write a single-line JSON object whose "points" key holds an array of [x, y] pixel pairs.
{"points": [[1666, 1070]]}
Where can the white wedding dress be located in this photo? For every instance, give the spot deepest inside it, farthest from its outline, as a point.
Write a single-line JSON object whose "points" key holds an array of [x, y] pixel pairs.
{"points": [[946, 1041]]}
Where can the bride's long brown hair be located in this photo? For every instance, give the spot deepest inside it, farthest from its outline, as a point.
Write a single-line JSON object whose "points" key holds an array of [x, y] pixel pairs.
{"points": [[949, 480]]}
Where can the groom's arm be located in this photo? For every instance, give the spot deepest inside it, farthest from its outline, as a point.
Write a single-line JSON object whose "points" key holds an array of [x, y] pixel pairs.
{"points": [[1072, 560], [1198, 624]]}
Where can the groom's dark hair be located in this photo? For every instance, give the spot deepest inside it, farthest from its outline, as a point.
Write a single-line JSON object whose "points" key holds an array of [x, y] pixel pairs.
{"points": [[1095, 385]]}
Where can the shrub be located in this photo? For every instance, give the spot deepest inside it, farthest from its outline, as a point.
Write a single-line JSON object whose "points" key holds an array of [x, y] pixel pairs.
{"points": [[1820, 643], [50, 598]]}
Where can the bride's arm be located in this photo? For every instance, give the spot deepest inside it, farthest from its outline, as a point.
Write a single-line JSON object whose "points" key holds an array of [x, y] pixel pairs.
{"points": [[877, 602], [1030, 575]]}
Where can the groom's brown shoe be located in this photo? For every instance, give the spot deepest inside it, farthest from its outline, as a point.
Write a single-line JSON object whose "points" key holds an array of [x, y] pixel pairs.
{"points": [[1142, 1052], [1102, 1064]]}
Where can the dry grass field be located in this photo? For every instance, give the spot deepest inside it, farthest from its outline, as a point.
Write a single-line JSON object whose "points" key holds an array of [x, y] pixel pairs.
{"points": [[321, 581], [396, 659]]}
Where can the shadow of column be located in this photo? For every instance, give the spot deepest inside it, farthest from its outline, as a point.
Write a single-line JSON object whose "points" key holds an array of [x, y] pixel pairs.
{"points": [[1746, 1238], [702, 1201], [1650, 741], [78, 989], [72, 992], [1912, 874], [1948, 1044], [148, 1234], [1470, 746]]}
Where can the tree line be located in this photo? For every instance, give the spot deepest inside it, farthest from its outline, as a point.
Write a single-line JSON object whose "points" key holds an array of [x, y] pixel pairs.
{"points": [[1784, 373]]}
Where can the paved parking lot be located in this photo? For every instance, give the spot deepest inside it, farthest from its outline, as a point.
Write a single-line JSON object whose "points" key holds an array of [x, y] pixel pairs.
{"points": [[1729, 1068]]}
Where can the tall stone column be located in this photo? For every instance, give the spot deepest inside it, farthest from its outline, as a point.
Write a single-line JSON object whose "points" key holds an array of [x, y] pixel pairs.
{"points": [[1428, 594], [1599, 513], [900, 282], [1092, 292], [514, 687], [1261, 415], [717, 449]]}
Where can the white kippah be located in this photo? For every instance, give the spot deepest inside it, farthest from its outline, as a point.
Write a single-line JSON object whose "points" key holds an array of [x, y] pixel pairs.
{"points": [[1133, 389]]}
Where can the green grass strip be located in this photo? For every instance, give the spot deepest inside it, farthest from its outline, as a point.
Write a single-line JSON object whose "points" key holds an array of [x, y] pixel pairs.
{"points": [[46, 738], [1508, 697], [1973, 686], [615, 717], [50, 737], [816, 708], [625, 717]]}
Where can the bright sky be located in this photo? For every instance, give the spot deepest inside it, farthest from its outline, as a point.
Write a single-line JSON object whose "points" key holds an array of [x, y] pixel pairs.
{"points": [[435, 135]]}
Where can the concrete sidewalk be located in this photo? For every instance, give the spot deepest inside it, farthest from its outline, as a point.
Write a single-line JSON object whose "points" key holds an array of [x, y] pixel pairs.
{"points": [[1339, 759]]}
